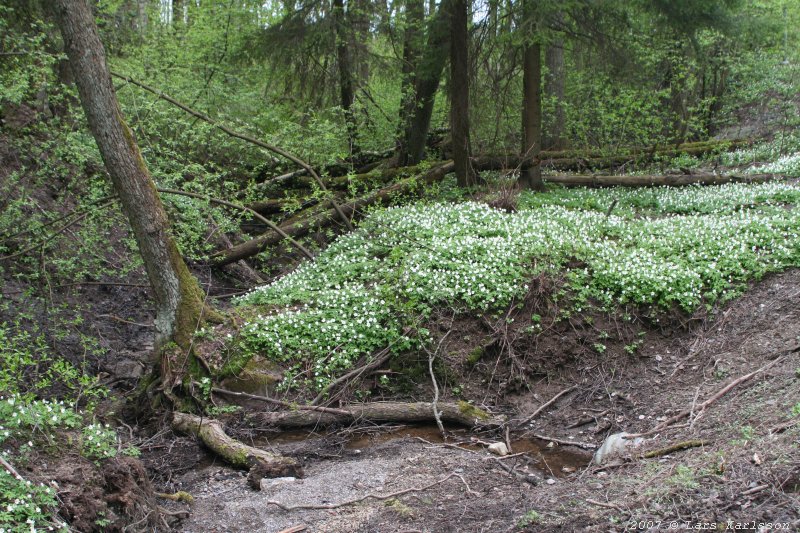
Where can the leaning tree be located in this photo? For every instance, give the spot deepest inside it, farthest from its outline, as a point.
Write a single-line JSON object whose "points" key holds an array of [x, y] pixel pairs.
{"points": [[179, 301]]}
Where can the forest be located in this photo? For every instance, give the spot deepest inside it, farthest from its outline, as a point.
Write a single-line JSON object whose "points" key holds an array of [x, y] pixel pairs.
{"points": [[399, 265]]}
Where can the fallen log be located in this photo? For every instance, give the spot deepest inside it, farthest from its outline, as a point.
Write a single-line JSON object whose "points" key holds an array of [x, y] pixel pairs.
{"points": [[300, 227], [461, 413], [252, 140], [660, 180], [691, 148], [236, 453]]}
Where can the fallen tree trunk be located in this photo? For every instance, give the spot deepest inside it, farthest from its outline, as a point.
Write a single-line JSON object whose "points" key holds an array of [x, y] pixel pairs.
{"points": [[302, 227], [663, 180], [457, 413], [691, 148], [362, 163], [252, 140], [212, 434]]}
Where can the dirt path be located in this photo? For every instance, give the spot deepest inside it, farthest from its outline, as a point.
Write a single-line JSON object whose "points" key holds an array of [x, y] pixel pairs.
{"points": [[748, 472]]}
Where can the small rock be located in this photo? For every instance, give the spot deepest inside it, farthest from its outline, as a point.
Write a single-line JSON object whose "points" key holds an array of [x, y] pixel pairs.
{"points": [[615, 445], [550, 481], [271, 483], [498, 448]]}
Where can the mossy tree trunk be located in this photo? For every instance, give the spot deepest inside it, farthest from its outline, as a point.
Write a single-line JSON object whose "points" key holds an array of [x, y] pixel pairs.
{"points": [[178, 298]]}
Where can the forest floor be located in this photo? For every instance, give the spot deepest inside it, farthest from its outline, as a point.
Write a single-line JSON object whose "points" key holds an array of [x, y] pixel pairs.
{"points": [[746, 472]]}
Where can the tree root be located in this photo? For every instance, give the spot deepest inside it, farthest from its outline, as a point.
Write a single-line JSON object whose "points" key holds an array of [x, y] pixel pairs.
{"points": [[236, 453]]}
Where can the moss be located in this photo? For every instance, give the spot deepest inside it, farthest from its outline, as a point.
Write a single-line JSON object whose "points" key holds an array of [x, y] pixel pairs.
{"points": [[475, 355], [467, 409], [257, 376]]}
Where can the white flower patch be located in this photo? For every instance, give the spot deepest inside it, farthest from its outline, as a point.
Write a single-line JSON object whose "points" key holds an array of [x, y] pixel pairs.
{"points": [[659, 246]]}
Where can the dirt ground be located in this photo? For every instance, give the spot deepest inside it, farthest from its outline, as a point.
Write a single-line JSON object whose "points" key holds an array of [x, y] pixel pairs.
{"points": [[746, 473]]}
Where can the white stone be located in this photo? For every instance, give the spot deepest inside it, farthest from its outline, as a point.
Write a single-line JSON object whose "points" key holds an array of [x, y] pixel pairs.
{"points": [[498, 448]]}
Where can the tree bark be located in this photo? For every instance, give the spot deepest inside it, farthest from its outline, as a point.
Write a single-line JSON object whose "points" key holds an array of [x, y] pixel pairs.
{"points": [[178, 298], [234, 452], [459, 93], [412, 45], [531, 175], [554, 88], [428, 75]]}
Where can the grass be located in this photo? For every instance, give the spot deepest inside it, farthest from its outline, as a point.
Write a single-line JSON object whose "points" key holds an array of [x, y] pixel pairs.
{"points": [[661, 247]]}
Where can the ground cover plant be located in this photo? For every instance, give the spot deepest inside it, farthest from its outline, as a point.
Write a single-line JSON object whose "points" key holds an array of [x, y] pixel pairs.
{"points": [[668, 248]]}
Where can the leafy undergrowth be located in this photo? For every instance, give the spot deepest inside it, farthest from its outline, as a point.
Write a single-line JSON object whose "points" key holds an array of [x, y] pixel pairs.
{"points": [[668, 248]]}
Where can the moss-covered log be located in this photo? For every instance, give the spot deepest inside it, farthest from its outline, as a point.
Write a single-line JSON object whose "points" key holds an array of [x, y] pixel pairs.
{"points": [[461, 413], [236, 453], [299, 227]]}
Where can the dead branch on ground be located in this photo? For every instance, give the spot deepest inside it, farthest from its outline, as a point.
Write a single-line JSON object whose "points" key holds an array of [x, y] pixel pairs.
{"points": [[546, 405], [369, 496], [719, 394], [678, 446]]}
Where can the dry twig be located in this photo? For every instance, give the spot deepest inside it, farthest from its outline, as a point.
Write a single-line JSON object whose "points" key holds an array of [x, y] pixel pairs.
{"points": [[546, 405], [366, 497], [702, 407]]}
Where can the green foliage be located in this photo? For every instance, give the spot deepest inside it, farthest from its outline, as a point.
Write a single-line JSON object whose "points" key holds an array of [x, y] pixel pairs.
{"points": [[26, 507], [25, 65], [23, 419], [27, 366], [98, 441], [528, 519]]}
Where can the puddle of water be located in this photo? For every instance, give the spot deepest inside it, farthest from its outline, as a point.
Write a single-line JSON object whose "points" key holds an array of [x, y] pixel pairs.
{"points": [[556, 461]]}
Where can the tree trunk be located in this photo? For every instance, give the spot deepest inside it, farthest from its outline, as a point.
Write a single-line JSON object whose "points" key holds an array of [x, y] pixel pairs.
{"points": [[346, 93], [428, 76], [412, 44], [531, 175], [459, 93], [554, 88], [178, 298]]}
